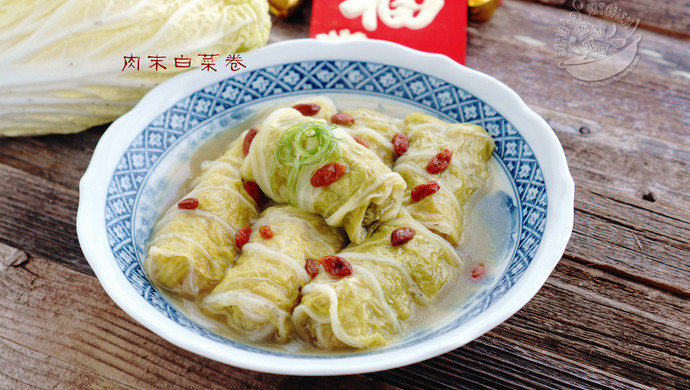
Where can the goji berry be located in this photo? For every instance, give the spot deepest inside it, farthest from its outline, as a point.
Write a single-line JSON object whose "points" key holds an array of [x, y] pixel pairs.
{"points": [[423, 190], [254, 191], [400, 143], [336, 266], [478, 271], [242, 236], [312, 267], [266, 231], [439, 162], [401, 235], [328, 174], [248, 138], [307, 109], [342, 118], [361, 141], [188, 204]]}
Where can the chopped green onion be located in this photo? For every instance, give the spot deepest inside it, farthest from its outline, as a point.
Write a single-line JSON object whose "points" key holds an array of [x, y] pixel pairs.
{"points": [[308, 143]]}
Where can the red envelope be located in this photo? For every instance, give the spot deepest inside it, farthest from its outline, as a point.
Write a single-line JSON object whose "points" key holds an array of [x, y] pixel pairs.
{"points": [[436, 26]]}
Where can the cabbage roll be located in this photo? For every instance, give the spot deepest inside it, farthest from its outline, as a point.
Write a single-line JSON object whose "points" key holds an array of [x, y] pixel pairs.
{"points": [[257, 295], [291, 147], [372, 306], [190, 249], [377, 130], [468, 172]]}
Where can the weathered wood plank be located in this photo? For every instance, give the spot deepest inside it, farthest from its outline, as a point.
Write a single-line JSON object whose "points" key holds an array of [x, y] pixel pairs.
{"points": [[24, 368], [670, 17], [647, 242], [59, 159], [66, 316], [622, 161], [652, 100], [584, 329], [39, 217]]}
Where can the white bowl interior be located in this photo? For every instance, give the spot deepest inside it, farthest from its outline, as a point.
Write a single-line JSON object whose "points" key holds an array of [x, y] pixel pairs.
{"points": [[152, 161]]}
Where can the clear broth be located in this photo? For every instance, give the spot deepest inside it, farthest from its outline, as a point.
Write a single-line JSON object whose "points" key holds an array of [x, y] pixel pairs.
{"points": [[487, 240]]}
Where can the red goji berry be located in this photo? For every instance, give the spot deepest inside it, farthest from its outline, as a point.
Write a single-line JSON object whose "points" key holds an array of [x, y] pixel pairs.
{"points": [[439, 162], [188, 203], [336, 266], [307, 109], [248, 138], [423, 190], [266, 231], [328, 174], [361, 141], [478, 271], [342, 118], [400, 143], [254, 191], [242, 236], [401, 235], [312, 267]]}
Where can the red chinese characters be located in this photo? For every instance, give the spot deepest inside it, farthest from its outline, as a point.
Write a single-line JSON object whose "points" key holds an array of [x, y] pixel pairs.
{"points": [[157, 62], [235, 62], [183, 62], [207, 63], [131, 61]]}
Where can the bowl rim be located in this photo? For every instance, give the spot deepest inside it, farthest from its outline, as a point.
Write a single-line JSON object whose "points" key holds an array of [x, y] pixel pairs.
{"points": [[537, 133]]}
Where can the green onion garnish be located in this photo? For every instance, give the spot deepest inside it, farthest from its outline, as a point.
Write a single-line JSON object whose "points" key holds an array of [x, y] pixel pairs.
{"points": [[308, 143]]}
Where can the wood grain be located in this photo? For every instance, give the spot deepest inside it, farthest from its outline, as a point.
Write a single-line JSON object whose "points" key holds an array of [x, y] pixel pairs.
{"points": [[584, 329], [669, 17], [38, 217], [48, 310], [24, 368], [614, 314], [644, 241], [580, 330], [58, 159], [524, 60]]}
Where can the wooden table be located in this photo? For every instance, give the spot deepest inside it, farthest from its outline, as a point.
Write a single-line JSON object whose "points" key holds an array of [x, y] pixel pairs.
{"points": [[615, 312]]}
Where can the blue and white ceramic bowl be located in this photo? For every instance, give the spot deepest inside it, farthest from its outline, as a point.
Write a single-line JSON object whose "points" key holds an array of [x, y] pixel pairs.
{"points": [[142, 160]]}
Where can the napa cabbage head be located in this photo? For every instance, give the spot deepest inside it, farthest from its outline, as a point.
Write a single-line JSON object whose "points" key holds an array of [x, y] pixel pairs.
{"points": [[61, 61]]}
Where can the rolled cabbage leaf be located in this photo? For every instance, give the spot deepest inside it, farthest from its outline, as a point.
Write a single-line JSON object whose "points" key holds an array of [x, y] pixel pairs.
{"points": [[257, 295], [369, 308], [291, 147], [377, 130], [468, 172], [190, 249]]}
